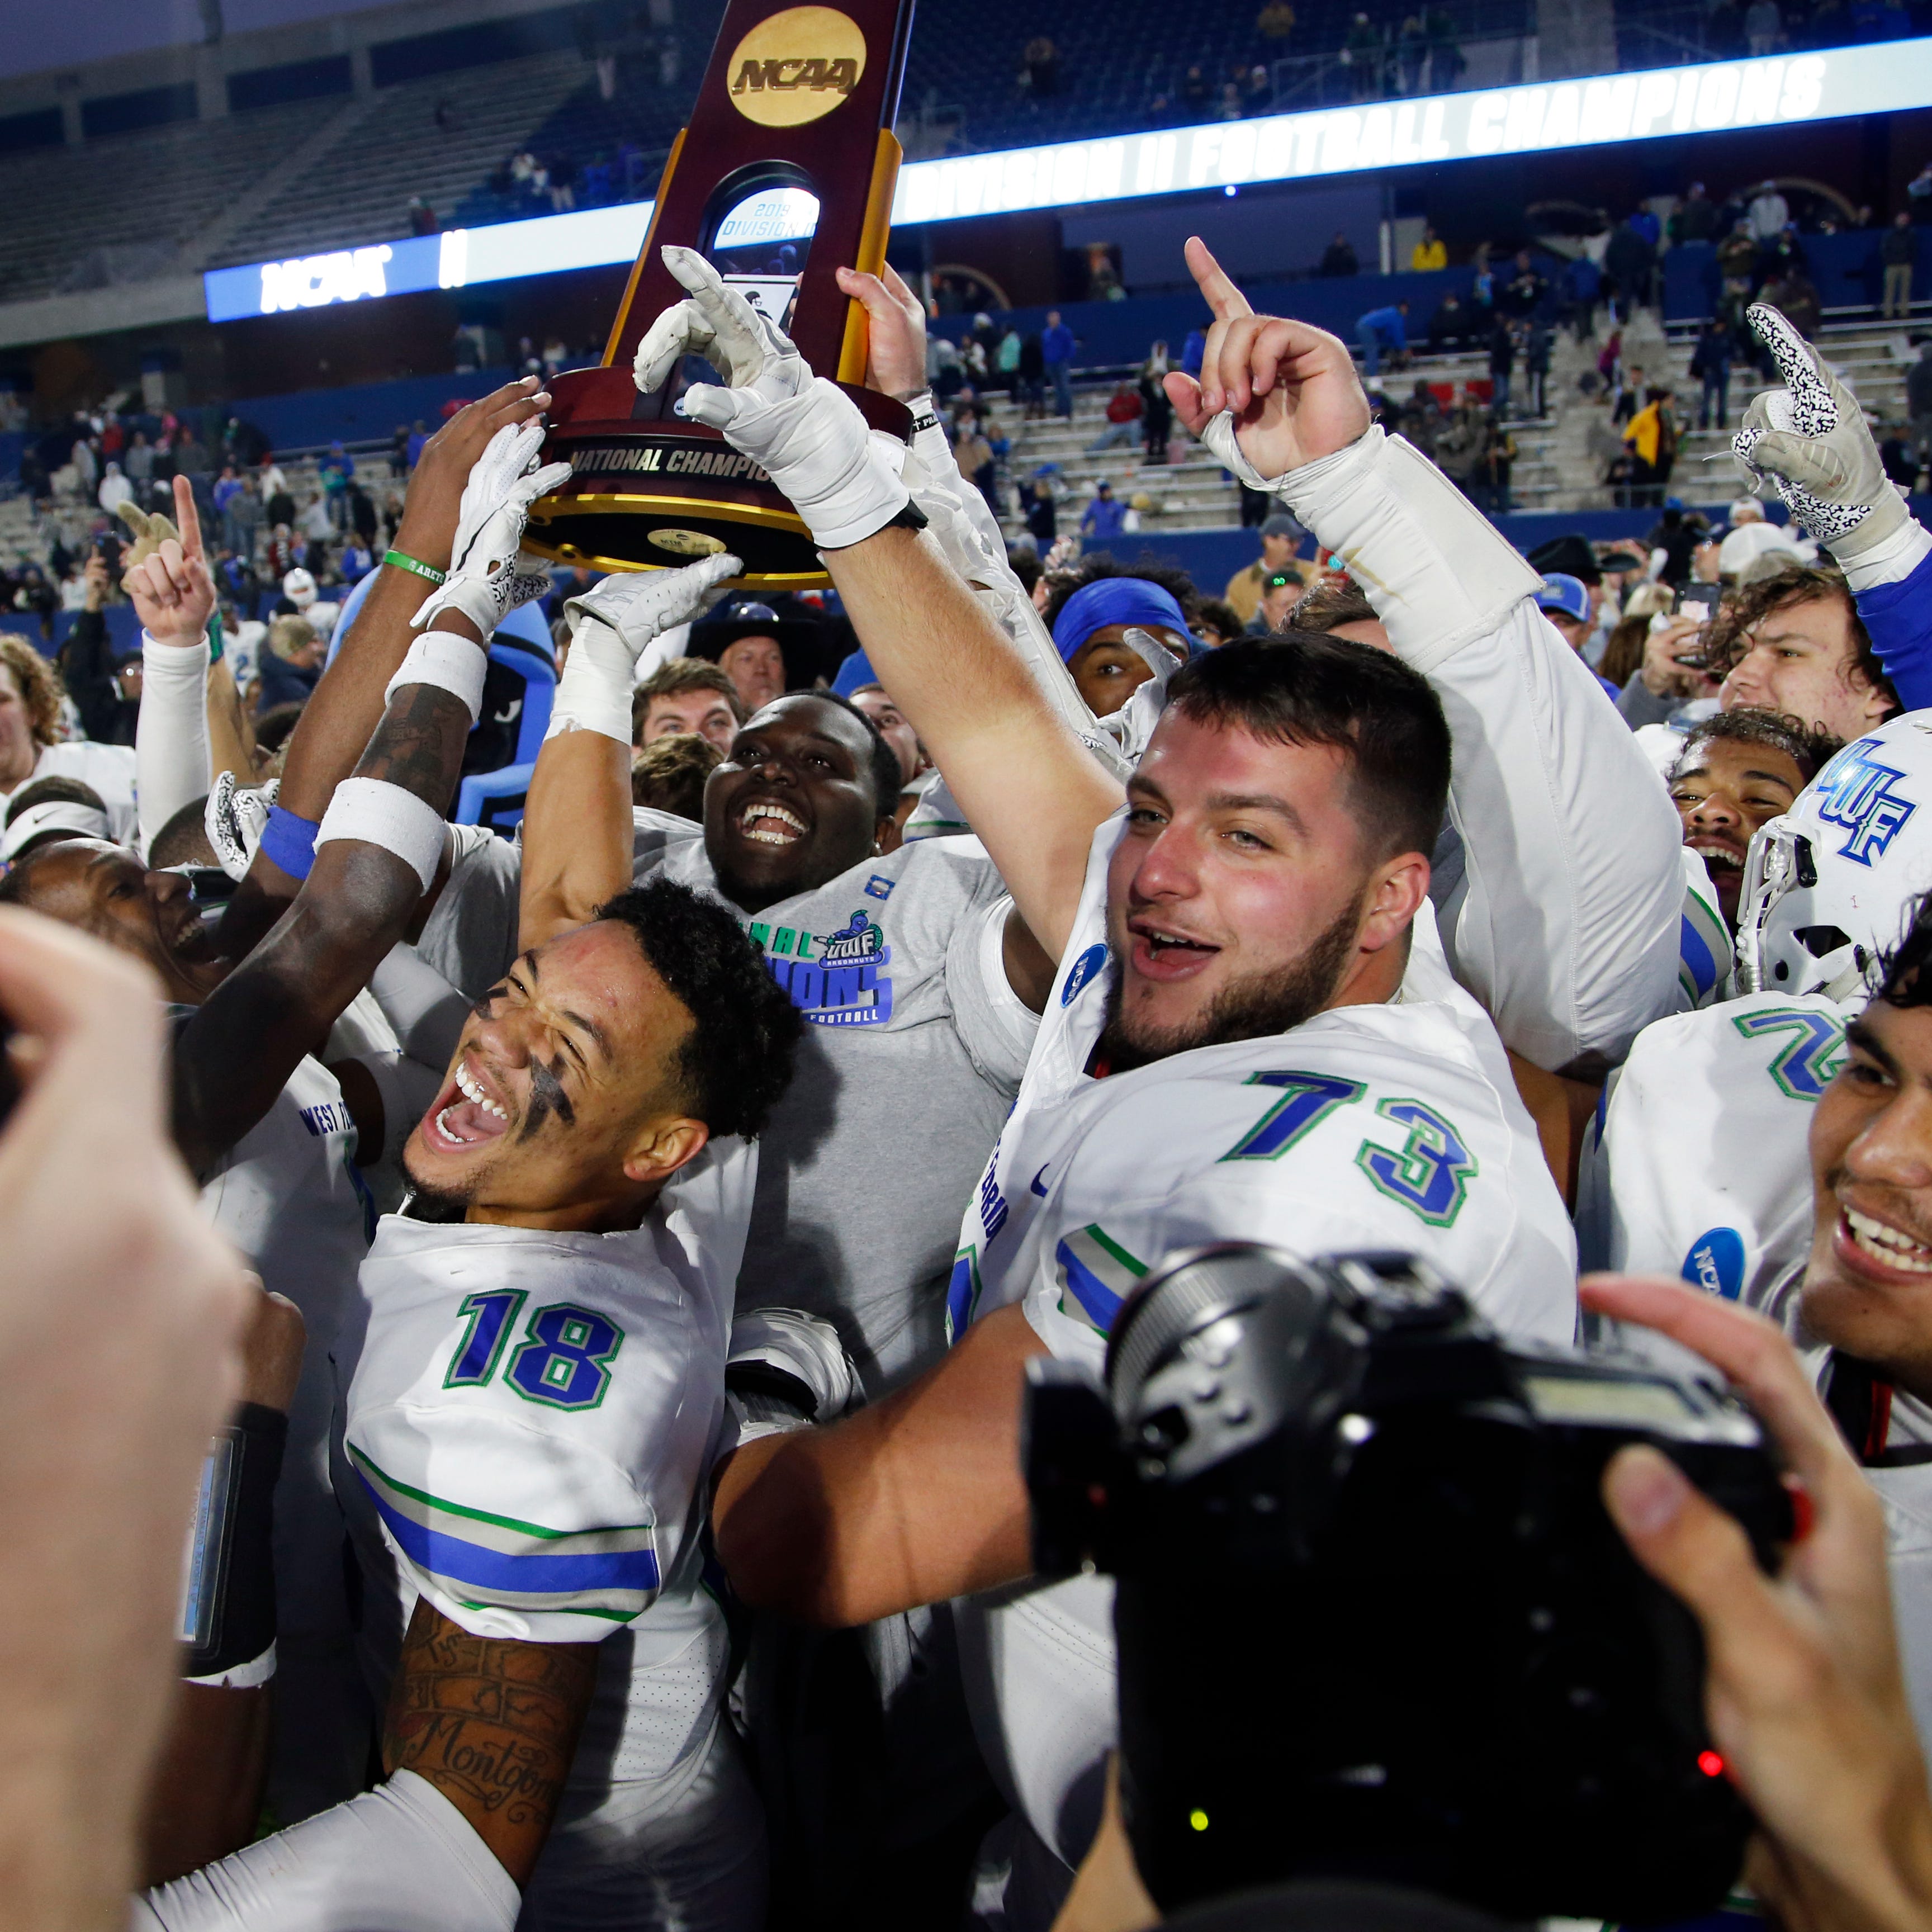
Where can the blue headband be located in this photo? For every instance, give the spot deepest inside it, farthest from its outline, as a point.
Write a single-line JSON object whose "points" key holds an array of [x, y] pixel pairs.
{"points": [[1115, 600]]}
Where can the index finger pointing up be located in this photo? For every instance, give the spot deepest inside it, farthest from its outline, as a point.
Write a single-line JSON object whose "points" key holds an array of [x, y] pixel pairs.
{"points": [[189, 518], [1225, 300]]}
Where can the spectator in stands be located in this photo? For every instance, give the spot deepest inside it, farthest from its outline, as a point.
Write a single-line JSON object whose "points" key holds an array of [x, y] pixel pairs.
{"points": [[1538, 345], [115, 489], [1565, 601], [1104, 517], [687, 696], [1446, 61], [1056, 347], [1502, 348], [1040, 71], [1216, 624], [1677, 536], [1737, 257], [1522, 295], [1411, 54], [1338, 257], [1460, 445], [1362, 55], [1421, 417], [1032, 378], [1631, 260], [1006, 361], [1696, 218], [413, 447], [1918, 399], [1711, 363], [1258, 95], [1452, 325], [421, 217], [1769, 213], [1382, 330], [1281, 591], [1039, 511], [1194, 92], [763, 654], [1428, 254], [1275, 23], [1795, 295], [1651, 441], [1897, 455], [291, 666], [1762, 24], [1280, 536], [1157, 422], [1124, 411], [1898, 249], [973, 451], [138, 466], [1193, 352], [242, 522]]}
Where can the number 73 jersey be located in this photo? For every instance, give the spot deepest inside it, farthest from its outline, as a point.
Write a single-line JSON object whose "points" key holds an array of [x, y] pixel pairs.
{"points": [[1368, 1126]]}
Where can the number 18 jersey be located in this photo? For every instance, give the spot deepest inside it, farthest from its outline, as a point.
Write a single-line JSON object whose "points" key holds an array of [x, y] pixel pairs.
{"points": [[531, 1420]]}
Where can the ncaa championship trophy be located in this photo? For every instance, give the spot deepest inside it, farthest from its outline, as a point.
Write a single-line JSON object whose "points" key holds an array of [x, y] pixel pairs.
{"points": [[785, 173]]}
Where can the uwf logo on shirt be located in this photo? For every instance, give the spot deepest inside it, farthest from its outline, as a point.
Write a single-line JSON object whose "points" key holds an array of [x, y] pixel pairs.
{"points": [[1854, 791], [836, 980]]}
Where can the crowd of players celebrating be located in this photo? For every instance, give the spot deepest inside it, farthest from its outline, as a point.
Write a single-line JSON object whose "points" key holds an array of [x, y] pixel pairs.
{"points": [[626, 1527]]}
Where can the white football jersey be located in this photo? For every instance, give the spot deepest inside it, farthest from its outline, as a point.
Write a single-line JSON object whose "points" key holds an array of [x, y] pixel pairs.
{"points": [[531, 1418], [1394, 1126], [109, 768], [1698, 1165]]}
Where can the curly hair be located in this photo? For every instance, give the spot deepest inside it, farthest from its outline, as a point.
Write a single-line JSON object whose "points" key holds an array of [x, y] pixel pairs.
{"points": [[736, 1063], [1743, 609], [1808, 748], [41, 687]]}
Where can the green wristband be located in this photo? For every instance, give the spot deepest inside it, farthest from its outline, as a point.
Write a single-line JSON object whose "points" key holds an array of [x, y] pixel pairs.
{"points": [[428, 570]]}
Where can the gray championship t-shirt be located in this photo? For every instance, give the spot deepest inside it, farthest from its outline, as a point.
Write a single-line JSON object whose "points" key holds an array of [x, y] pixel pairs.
{"points": [[913, 1052]]}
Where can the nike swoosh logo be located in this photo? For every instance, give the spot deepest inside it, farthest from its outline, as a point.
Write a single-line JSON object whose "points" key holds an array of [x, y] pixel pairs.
{"points": [[1037, 1187]]}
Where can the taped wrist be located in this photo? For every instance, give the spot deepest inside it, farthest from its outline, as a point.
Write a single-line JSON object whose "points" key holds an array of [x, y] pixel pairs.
{"points": [[1887, 558], [449, 662], [1438, 572], [289, 839], [593, 693], [228, 1606], [376, 812]]}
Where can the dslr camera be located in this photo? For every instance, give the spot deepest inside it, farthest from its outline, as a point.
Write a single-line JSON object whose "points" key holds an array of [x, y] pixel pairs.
{"points": [[1373, 1620]]}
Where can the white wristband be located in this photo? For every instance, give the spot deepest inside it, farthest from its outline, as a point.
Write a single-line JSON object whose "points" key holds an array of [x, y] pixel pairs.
{"points": [[258, 1670], [594, 692], [379, 813], [449, 662]]}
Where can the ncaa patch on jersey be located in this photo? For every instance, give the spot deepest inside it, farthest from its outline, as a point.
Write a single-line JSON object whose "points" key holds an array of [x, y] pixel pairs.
{"points": [[1716, 1263], [1086, 969], [878, 886]]}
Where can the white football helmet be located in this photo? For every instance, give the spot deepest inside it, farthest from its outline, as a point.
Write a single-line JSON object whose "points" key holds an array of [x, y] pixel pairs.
{"points": [[1831, 886]]}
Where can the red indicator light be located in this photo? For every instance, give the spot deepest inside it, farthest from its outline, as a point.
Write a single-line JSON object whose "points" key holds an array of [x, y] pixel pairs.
{"points": [[1710, 1764]]}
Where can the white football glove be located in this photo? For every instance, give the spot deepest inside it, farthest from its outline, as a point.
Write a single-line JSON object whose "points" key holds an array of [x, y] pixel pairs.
{"points": [[786, 1370], [809, 439], [1811, 439], [235, 818], [610, 625], [489, 575]]}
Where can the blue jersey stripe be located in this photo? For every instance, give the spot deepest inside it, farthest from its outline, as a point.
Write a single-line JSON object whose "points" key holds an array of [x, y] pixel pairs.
{"points": [[440, 1554], [1100, 1302], [1696, 956]]}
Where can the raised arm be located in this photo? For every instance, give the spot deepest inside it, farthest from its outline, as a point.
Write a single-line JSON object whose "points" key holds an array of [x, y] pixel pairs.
{"points": [[380, 840], [173, 595], [1566, 926], [336, 723], [1811, 439], [1031, 789], [577, 827]]}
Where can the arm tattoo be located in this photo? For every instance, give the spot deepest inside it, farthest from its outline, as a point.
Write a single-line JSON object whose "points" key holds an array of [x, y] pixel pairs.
{"points": [[419, 743], [493, 1724]]}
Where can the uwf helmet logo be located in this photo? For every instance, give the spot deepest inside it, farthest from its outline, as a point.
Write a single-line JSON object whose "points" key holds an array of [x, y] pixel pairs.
{"points": [[1854, 791], [852, 945]]}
